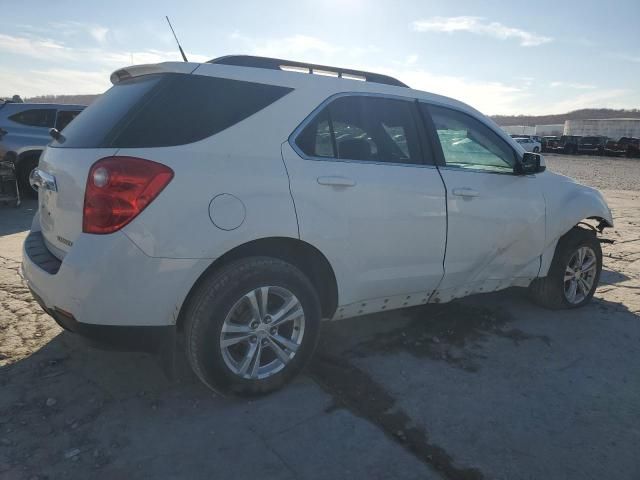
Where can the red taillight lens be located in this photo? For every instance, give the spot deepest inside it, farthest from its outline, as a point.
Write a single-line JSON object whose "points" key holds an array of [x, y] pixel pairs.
{"points": [[118, 189]]}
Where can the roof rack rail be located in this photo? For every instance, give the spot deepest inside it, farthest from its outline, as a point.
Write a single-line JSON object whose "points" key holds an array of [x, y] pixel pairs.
{"points": [[288, 65]]}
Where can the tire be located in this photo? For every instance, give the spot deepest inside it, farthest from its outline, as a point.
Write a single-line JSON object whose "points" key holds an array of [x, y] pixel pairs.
{"points": [[224, 296], [536, 150], [25, 167], [550, 291]]}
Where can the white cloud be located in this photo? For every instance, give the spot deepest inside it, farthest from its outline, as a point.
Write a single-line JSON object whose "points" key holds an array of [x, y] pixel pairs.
{"points": [[299, 47], [626, 57], [34, 47], [479, 26], [614, 98], [86, 70], [292, 46], [576, 86], [488, 97], [117, 59], [99, 33], [412, 59], [30, 83]]}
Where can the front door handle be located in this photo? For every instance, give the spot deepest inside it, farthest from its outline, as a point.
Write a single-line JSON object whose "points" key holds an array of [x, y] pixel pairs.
{"points": [[336, 181], [465, 192]]}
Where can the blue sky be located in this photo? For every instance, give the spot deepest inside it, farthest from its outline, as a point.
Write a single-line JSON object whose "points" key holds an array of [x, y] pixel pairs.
{"points": [[508, 57]]}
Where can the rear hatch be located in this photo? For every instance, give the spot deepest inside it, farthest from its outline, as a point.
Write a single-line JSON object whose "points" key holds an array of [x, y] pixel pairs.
{"points": [[96, 133]]}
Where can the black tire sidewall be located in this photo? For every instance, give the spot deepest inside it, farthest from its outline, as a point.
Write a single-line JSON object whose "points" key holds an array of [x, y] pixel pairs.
{"points": [[567, 246], [24, 171], [209, 314]]}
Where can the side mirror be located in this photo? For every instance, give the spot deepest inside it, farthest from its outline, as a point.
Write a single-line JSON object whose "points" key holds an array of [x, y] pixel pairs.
{"points": [[529, 164]]}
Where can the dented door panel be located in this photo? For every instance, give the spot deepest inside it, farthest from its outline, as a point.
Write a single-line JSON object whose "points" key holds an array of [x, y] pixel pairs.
{"points": [[494, 238]]}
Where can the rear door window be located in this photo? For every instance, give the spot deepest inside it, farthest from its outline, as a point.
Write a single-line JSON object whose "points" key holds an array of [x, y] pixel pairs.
{"points": [[363, 128], [168, 109], [64, 117], [35, 117]]}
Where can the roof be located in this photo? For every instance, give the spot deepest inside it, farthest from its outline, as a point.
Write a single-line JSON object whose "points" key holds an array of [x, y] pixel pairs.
{"points": [[290, 65]]}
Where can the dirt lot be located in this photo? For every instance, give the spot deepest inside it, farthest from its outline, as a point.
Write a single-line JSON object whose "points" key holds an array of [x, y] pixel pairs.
{"points": [[490, 387]]}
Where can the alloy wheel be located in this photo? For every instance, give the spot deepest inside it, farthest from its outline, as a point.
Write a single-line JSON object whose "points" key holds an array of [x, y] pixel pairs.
{"points": [[580, 275], [262, 332]]}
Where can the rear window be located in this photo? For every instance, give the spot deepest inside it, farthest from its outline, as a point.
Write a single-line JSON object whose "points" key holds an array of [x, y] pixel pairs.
{"points": [[36, 117], [168, 109]]}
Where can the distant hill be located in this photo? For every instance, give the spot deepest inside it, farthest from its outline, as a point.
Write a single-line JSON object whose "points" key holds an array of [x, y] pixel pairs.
{"points": [[503, 120], [64, 99], [584, 114]]}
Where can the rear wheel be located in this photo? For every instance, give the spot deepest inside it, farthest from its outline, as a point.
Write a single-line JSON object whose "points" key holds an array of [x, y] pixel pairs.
{"points": [[25, 167], [252, 326], [574, 272]]}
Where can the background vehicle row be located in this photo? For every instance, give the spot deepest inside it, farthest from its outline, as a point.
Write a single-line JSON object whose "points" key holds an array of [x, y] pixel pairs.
{"points": [[591, 145], [24, 132]]}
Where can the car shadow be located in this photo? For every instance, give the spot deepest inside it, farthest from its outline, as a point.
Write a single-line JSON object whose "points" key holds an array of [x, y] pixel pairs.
{"points": [[125, 373], [15, 220], [116, 409], [611, 277]]}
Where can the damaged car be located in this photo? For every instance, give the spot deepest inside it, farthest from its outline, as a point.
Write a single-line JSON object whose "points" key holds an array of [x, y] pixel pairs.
{"points": [[235, 204]]}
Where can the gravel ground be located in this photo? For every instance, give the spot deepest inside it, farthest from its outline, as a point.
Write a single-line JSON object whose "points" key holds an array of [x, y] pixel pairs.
{"points": [[491, 387], [604, 173]]}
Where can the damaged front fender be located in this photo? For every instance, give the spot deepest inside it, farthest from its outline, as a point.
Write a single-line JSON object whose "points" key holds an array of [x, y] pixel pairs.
{"points": [[567, 204]]}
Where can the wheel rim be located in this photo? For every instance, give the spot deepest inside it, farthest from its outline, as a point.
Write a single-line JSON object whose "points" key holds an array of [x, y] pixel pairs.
{"points": [[580, 275], [262, 332]]}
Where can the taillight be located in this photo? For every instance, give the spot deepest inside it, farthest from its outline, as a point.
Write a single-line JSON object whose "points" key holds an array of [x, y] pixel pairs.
{"points": [[118, 189]]}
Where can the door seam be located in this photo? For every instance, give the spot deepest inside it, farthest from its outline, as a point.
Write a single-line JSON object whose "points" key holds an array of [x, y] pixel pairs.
{"points": [[293, 200]]}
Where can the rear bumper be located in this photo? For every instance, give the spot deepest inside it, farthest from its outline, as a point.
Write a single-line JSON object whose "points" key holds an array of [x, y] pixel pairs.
{"points": [[107, 285], [116, 337]]}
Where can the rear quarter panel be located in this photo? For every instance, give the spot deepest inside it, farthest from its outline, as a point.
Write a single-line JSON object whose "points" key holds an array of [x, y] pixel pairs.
{"points": [[244, 161]]}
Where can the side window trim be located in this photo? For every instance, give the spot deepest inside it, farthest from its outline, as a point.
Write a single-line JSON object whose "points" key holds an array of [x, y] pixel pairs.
{"points": [[332, 133], [433, 134], [424, 160]]}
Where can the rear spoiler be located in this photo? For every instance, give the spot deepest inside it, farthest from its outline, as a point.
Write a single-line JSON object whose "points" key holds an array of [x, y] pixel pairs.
{"points": [[139, 70]]}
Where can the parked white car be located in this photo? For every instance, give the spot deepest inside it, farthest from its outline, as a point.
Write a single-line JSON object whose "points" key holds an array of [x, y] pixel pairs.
{"points": [[529, 144], [238, 203]]}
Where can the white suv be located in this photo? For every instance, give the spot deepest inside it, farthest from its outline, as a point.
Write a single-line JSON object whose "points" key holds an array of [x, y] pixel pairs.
{"points": [[529, 144], [238, 203]]}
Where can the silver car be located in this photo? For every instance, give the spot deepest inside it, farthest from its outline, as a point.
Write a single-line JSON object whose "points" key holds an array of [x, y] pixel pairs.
{"points": [[529, 144], [24, 132]]}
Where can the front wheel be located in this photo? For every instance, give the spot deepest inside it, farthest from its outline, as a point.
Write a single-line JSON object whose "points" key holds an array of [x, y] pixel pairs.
{"points": [[252, 326], [574, 272]]}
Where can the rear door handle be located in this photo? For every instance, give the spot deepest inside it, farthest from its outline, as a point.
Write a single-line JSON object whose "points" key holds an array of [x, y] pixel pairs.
{"points": [[465, 192], [336, 181]]}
